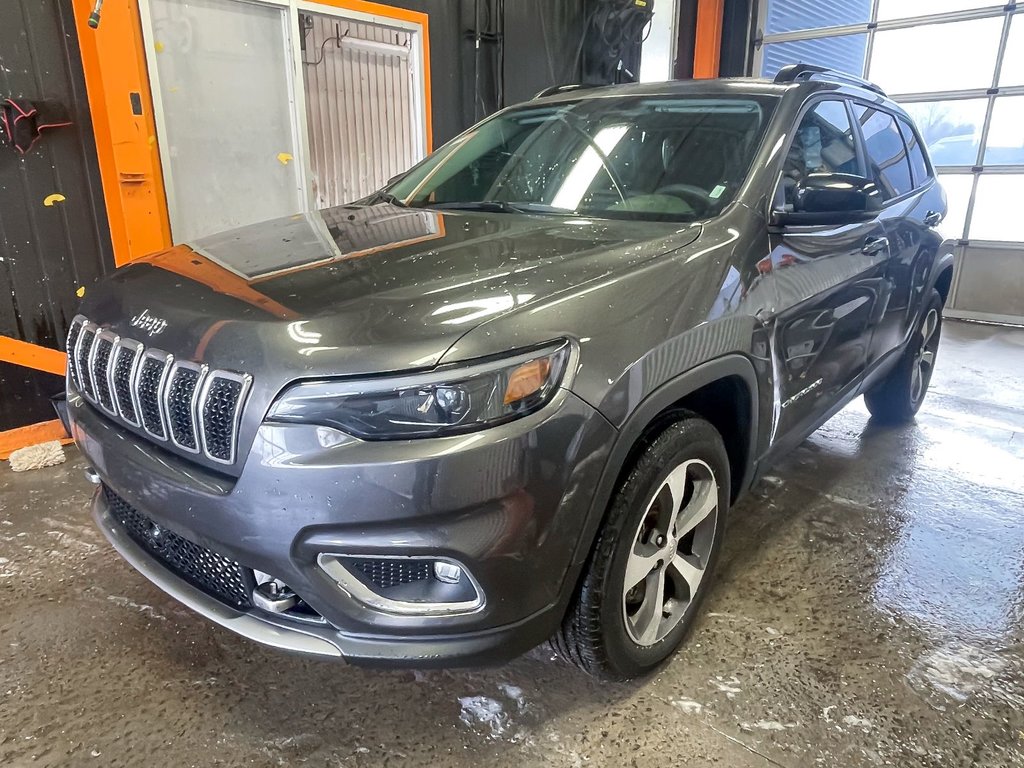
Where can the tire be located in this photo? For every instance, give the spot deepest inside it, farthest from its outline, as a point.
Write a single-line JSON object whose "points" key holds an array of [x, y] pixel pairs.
{"points": [[898, 397], [616, 633]]}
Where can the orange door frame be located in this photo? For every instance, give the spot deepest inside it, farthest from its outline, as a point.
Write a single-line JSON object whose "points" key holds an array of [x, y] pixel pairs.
{"points": [[708, 41], [121, 106]]}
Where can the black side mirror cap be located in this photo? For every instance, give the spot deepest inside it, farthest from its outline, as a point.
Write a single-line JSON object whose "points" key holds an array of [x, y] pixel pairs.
{"points": [[819, 218], [831, 199]]}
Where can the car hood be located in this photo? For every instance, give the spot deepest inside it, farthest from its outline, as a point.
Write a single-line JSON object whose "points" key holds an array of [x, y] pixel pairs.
{"points": [[355, 290]]}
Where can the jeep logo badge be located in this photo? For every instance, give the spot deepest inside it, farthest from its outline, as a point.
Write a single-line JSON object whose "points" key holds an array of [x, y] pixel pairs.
{"points": [[149, 323]]}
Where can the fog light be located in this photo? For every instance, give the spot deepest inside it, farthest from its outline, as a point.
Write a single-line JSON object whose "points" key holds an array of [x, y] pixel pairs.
{"points": [[449, 573], [405, 585]]}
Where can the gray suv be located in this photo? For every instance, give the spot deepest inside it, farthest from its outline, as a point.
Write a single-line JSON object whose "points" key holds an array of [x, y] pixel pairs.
{"points": [[512, 396]]}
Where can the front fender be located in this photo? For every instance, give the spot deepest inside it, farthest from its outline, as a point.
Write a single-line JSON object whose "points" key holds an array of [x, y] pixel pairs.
{"points": [[646, 413]]}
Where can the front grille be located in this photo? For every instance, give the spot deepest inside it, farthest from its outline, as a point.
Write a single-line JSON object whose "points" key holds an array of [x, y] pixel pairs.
{"points": [[386, 573], [213, 573], [196, 409]]}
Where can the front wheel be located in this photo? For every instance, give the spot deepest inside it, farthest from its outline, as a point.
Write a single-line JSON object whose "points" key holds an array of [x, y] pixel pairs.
{"points": [[653, 561], [898, 397]]}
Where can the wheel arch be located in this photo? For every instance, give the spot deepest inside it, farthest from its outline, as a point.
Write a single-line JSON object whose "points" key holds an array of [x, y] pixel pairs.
{"points": [[942, 280], [724, 391]]}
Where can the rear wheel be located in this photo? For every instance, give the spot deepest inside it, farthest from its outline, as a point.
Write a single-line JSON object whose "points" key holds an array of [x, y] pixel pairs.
{"points": [[899, 396], [653, 561]]}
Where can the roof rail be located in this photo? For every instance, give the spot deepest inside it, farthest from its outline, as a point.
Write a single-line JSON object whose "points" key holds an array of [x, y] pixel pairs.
{"points": [[795, 73], [562, 89]]}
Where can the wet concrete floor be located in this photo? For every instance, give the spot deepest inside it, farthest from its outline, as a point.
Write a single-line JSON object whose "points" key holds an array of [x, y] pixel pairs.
{"points": [[869, 610]]}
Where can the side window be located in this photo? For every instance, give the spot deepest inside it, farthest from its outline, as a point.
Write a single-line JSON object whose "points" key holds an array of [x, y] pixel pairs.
{"points": [[887, 155], [823, 143], [917, 160]]}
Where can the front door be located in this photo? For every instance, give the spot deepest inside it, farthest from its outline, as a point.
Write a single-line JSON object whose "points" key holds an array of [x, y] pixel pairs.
{"points": [[830, 283]]}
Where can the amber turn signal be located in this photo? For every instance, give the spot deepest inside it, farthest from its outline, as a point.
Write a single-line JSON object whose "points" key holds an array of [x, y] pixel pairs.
{"points": [[526, 379]]}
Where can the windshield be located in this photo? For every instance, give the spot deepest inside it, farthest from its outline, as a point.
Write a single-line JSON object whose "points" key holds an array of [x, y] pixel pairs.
{"points": [[654, 158]]}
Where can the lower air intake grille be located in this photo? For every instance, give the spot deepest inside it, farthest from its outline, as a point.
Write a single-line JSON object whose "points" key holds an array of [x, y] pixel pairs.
{"points": [[216, 575], [388, 573]]}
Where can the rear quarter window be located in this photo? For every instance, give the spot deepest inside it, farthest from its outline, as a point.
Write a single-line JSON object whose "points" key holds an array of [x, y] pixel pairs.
{"points": [[918, 162]]}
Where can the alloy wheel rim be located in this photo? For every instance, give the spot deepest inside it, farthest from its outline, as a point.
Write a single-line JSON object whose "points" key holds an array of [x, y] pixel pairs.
{"points": [[925, 360], [670, 552]]}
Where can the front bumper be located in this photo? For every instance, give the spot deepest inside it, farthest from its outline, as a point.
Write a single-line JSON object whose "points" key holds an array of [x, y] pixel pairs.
{"points": [[509, 503]]}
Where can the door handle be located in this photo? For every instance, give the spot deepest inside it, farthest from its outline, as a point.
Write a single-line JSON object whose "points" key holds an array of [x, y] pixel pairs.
{"points": [[874, 245], [932, 218]]}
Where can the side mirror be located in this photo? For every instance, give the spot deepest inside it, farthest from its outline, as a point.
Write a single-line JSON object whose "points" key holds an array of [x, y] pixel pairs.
{"points": [[831, 198]]}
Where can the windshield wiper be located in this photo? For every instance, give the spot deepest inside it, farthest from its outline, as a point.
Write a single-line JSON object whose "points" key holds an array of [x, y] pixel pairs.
{"points": [[382, 196], [497, 206]]}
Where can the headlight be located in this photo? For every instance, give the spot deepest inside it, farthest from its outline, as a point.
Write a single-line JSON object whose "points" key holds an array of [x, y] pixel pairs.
{"points": [[456, 399]]}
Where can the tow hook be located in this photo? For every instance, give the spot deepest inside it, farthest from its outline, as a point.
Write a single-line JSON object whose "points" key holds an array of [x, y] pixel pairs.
{"points": [[274, 596]]}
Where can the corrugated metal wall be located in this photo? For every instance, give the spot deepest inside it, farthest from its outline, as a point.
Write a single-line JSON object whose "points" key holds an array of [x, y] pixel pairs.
{"points": [[363, 126], [47, 252]]}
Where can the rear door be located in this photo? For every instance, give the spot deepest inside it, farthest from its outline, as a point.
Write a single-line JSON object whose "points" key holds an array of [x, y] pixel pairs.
{"points": [[830, 280], [913, 205]]}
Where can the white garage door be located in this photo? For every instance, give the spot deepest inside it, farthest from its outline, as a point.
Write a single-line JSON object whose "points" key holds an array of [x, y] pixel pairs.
{"points": [[957, 66]]}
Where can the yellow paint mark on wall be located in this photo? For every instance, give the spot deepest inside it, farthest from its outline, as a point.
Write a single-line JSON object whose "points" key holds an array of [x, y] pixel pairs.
{"points": [[158, 47], [80, 292], [56, 197], [284, 158]]}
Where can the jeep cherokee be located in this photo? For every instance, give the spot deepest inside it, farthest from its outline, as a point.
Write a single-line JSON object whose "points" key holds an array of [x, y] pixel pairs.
{"points": [[512, 395]]}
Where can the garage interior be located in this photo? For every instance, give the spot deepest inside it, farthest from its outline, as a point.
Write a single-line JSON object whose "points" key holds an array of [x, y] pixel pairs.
{"points": [[869, 602]]}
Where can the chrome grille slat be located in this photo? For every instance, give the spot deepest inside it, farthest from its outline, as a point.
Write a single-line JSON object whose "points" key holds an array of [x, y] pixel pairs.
{"points": [[127, 358], [220, 412], [151, 386], [83, 356], [74, 332], [183, 389], [185, 404], [100, 369]]}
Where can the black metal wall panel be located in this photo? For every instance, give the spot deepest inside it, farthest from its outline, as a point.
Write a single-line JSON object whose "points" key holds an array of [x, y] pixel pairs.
{"points": [[526, 46], [448, 48], [47, 253], [736, 23], [542, 45], [686, 42]]}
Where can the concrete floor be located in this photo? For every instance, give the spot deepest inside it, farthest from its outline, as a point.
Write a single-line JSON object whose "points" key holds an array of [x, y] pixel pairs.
{"points": [[869, 611]]}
